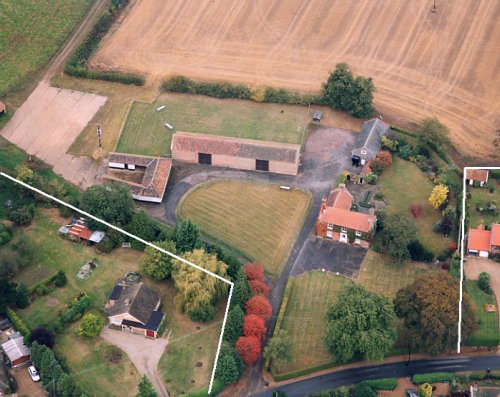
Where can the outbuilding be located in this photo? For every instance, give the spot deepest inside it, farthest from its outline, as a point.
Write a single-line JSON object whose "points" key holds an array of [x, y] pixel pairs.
{"points": [[368, 142], [317, 115], [477, 176], [238, 153], [16, 352]]}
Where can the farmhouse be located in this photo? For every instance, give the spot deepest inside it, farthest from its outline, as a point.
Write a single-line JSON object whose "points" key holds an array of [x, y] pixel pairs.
{"points": [[243, 154], [369, 141], [146, 176], [134, 307], [478, 176], [79, 231], [336, 221], [482, 242], [16, 352]]}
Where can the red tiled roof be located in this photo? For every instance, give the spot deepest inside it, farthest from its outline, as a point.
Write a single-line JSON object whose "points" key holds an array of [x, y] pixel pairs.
{"points": [[477, 175], [340, 198], [479, 240], [81, 231], [495, 234], [348, 219]]}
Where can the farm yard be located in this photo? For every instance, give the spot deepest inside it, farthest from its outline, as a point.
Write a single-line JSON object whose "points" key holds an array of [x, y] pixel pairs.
{"points": [[481, 196], [260, 221], [410, 52], [144, 131]]}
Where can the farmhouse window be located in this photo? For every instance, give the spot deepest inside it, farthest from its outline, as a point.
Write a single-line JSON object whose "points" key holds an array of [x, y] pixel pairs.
{"points": [[205, 158], [262, 165], [343, 230], [358, 233], [330, 226]]}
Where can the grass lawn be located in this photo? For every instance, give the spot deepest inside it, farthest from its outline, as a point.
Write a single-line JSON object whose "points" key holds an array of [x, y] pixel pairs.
{"points": [[482, 195], [144, 131], [404, 184], [488, 333], [89, 363], [313, 293], [30, 34], [259, 220]]}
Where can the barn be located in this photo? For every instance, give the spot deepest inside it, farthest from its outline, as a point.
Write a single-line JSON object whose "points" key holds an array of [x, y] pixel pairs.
{"points": [[369, 141], [238, 153], [16, 352]]}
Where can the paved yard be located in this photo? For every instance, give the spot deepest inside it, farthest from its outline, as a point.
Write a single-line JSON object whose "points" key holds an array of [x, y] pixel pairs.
{"points": [[48, 123], [333, 256], [26, 385], [474, 266], [144, 353]]}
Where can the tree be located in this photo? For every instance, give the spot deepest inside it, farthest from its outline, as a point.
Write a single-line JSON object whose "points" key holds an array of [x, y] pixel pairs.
{"points": [[338, 88], [279, 350], [157, 264], [146, 388], [249, 349], [234, 324], [199, 291], [484, 282], [27, 175], [22, 296], [23, 216], [260, 306], [431, 132], [430, 313], [360, 324], [227, 368], [362, 98], [438, 196], [254, 271], [111, 203], [90, 326], [259, 287], [241, 290], [42, 336], [7, 294], [141, 226], [254, 325], [399, 231], [425, 390], [186, 236], [363, 389]]}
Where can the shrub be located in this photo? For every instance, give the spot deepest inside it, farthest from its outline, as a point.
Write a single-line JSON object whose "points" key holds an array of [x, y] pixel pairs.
{"points": [[363, 389], [202, 314], [23, 216], [17, 322], [42, 336], [416, 210], [90, 326], [60, 279], [41, 289], [405, 151], [371, 178], [74, 313], [484, 282], [5, 234], [433, 378], [419, 253], [106, 245]]}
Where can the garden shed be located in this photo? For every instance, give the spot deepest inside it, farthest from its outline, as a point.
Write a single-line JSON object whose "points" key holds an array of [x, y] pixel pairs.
{"points": [[16, 352], [317, 115]]}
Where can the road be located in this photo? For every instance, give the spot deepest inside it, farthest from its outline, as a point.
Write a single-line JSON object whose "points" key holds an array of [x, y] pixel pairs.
{"points": [[397, 370]]}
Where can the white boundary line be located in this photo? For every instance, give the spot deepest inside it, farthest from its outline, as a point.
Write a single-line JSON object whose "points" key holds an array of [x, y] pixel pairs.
{"points": [[230, 283], [462, 248]]}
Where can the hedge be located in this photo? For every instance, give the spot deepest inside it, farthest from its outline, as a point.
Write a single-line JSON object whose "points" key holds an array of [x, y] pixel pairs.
{"points": [[18, 323], [46, 281], [304, 371], [77, 63], [433, 377], [403, 131], [477, 375], [382, 384], [217, 387], [74, 313]]}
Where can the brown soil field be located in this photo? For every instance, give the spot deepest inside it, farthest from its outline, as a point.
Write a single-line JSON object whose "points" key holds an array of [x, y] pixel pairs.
{"points": [[444, 64]]}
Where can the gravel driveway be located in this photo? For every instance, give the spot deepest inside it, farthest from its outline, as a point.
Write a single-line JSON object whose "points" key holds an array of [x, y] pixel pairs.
{"points": [[144, 353]]}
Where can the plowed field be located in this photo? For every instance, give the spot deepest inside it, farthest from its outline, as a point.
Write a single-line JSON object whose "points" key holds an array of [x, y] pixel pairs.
{"points": [[444, 64]]}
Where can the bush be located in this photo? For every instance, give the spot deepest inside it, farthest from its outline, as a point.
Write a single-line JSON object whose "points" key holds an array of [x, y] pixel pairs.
{"points": [[405, 151], [23, 216], [74, 313], [433, 378], [18, 323], [42, 336], [202, 314], [363, 389], [5, 234], [60, 279], [416, 210], [484, 282], [106, 245], [90, 326], [371, 178]]}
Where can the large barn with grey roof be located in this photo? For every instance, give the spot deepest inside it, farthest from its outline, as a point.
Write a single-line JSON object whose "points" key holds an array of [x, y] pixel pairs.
{"points": [[238, 153]]}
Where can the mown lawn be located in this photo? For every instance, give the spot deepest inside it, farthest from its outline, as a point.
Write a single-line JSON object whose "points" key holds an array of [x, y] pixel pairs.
{"points": [[259, 220], [488, 333], [482, 196], [144, 131], [30, 34], [404, 184]]}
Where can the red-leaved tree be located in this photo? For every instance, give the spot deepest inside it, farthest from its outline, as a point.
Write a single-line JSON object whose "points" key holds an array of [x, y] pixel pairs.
{"points": [[249, 348], [260, 306], [254, 325], [259, 287], [254, 271], [416, 210]]}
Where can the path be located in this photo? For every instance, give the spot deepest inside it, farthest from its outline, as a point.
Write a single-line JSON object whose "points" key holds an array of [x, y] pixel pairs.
{"points": [[51, 118], [144, 353], [474, 266]]}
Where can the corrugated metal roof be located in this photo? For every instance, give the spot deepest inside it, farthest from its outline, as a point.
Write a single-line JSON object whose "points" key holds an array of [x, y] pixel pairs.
{"points": [[15, 349]]}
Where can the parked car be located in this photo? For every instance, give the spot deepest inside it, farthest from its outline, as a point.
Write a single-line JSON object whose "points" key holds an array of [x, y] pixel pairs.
{"points": [[34, 373], [411, 393]]}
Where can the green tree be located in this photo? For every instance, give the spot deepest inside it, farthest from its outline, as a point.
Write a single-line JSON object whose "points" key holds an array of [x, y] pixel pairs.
{"points": [[484, 282], [360, 325], [431, 132], [279, 350], [90, 326], [27, 175], [141, 226], [430, 313], [234, 324], [111, 203], [146, 388], [227, 369], [199, 291], [7, 294], [363, 389], [362, 98], [399, 231], [22, 296], [338, 88], [157, 264], [186, 236], [241, 290]]}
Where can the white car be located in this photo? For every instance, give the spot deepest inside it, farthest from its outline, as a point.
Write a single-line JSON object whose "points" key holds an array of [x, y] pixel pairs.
{"points": [[34, 373]]}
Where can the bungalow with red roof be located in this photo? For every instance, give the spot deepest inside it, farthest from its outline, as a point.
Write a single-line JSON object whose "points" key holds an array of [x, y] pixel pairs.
{"points": [[336, 221], [479, 176], [481, 242]]}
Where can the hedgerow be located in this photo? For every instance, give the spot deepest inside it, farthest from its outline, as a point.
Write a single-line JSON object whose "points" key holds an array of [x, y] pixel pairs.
{"points": [[433, 377], [74, 313]]}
